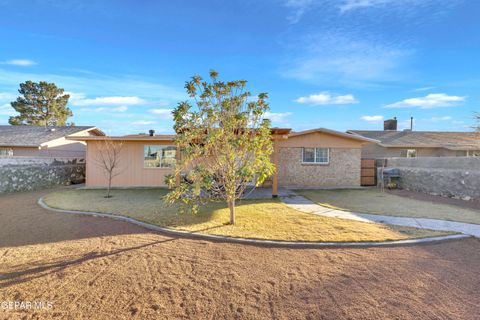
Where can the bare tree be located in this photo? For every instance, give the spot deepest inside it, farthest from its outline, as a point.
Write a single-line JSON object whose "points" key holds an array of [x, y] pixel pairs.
{"points": [[108, 159]]}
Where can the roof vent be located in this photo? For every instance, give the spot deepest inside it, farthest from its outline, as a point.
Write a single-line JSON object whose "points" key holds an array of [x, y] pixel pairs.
{"points": [[151, 132]]}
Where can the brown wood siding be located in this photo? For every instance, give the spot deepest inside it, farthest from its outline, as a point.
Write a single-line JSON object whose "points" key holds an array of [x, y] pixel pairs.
{"points": [[368, 172]]}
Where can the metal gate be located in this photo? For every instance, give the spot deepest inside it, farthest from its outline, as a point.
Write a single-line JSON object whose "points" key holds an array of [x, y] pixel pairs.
{"points": [[368, 173]]}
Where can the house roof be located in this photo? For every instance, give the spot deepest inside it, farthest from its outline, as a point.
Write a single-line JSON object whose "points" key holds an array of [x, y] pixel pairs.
{"points": [[35, 136], [157, 137], [424, 139], [131, 137], [335, 133]]}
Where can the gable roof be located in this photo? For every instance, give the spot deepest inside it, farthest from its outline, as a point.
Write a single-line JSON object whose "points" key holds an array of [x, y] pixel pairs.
{"points": [[35, 136], [424, 139], [335, 133]]}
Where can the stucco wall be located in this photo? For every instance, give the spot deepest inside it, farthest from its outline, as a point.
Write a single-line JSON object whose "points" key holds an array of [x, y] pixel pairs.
{"points": [[131, 167], [343, 169]]}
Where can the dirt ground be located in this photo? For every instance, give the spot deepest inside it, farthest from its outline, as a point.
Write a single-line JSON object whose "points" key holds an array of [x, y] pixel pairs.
{"points": [[94, 268], [472, 204]]}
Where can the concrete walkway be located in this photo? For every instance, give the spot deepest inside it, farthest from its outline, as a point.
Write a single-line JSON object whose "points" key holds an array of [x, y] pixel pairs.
{"points": [[303, 204]]}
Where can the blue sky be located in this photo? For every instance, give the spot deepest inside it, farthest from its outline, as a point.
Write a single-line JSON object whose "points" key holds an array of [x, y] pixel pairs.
{"points": [[339, 64]]}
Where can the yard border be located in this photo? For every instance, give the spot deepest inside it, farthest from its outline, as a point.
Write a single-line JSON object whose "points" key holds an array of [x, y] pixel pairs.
{"points": [[279, 243]]}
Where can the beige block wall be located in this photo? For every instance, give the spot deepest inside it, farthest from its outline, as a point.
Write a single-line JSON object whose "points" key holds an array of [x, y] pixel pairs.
{"points": [[343, 169], [131, 167]]}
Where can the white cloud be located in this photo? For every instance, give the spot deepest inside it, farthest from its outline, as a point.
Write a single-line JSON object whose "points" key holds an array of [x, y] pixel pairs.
{"points": [[279, 118], [20, 62], [372, 119], [165, 113], [143, 123], [298, 8], [79, 99], [105, 109], [430, 101], [436, 119], [324, 98]]}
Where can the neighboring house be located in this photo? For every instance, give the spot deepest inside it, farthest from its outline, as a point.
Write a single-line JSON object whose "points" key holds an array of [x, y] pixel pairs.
{"points": [[38, 141], [408, 143], [307, 159]]}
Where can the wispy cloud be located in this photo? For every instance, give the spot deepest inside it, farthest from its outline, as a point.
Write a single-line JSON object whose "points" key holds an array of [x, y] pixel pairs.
{"points": [[298, 9], [20, 62], [423, 89], [405, 5], [348, 5], [436, 119], [430, 101], [6, 96], [325, 98], [372, 119], [340, 58], [7, 110]]}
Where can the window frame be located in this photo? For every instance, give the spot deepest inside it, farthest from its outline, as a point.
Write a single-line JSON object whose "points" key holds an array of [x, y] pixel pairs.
{"points": [[405, 153], [315, 156], [9, 152], [161, 147]]}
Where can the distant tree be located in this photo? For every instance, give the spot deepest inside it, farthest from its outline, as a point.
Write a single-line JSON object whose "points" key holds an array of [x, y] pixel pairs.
{"points": [[225, 143], [477, 117], [108, 159], [41, 104]]}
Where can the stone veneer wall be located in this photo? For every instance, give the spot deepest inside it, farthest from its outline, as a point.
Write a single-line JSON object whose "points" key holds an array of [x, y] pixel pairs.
{"points": [[26, 173], [457, 177], [342, 171]]}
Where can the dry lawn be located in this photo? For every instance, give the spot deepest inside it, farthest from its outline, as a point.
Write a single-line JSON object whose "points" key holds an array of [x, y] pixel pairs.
{"points": [[260, 219], [94, 268], [373, 201]]}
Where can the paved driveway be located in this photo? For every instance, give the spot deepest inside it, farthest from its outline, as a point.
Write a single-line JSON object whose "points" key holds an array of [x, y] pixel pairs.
{"points": [[95, 268]]}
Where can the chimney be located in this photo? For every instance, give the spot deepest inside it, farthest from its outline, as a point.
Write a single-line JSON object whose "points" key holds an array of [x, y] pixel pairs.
{"points": [[390, 124], [411, 123], [151, 132]]}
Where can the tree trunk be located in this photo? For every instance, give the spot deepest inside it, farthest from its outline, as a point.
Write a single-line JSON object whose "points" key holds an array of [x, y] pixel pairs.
{"points": [[231, 206], [109, 185]]}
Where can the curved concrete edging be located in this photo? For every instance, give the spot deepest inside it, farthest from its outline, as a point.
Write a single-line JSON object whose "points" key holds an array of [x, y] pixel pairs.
{"points": [[291, 244]]}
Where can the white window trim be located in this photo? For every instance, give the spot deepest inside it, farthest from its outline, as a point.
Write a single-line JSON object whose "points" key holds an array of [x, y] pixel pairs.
{"points": [[156, 168], [315, 156]]}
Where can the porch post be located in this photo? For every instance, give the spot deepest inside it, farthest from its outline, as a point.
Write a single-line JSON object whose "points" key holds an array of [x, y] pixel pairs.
{"points": [[178, 157], [275, 175]]}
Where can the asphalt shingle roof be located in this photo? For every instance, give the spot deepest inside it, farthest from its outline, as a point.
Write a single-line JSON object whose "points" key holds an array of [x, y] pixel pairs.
{"points": [[34, 136], [433, 139]]}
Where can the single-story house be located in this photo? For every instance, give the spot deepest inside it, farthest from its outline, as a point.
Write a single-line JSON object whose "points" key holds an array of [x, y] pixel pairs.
{"points": [[306, 159], [40, 141], [408, 143]]}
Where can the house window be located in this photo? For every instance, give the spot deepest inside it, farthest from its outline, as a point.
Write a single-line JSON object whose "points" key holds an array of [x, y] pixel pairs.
{"points": [[316, 155], [157, 156], [6, 152], [409, 153]]}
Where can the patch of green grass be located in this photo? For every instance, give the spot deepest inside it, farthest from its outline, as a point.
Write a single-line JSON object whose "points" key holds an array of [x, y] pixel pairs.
{"points": [[260, 219], [373, 201]]}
